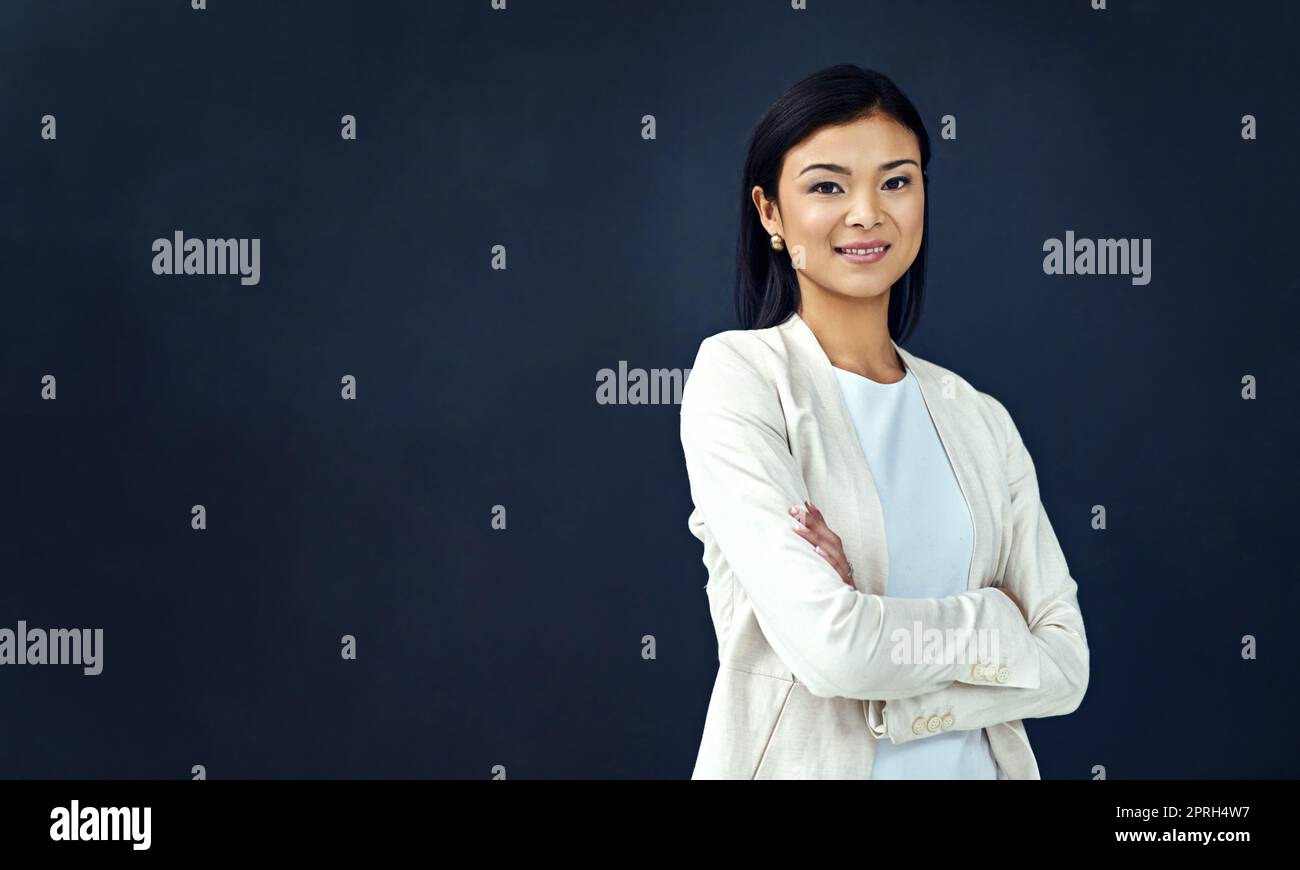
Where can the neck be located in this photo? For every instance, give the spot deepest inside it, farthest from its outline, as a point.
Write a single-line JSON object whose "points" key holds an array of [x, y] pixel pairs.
{"points": [[854, 334]]}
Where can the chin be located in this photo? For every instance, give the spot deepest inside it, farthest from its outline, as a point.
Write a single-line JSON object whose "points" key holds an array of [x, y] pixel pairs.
{"points": [[864, 293]]}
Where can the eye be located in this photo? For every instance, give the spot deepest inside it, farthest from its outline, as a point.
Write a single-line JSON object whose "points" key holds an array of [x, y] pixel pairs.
{"points": [[818, 188]]}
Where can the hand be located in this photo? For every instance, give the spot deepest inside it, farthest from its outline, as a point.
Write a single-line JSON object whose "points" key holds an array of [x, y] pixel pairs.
{"points": [[810, 525], [1010, 595]]}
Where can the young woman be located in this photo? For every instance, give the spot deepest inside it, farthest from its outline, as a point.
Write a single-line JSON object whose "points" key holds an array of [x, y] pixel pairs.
{"points": [[889, 597]]}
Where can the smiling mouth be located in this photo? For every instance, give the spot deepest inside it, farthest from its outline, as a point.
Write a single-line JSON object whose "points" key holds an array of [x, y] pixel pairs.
{"points": [[860, 252]]}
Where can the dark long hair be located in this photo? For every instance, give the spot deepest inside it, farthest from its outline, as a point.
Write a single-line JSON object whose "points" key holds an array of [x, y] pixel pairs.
{"points": [[766, 287]]}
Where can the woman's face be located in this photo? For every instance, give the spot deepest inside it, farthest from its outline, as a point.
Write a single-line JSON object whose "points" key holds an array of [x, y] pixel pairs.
{"points": [[851, 185]]}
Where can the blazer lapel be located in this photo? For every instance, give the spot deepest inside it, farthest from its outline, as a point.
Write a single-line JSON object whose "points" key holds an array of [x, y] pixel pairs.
{"points": [[863, 528]]}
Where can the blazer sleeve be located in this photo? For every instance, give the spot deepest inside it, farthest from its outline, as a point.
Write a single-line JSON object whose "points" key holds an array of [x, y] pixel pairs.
{"points": [[835, 639], [1038, 575]]}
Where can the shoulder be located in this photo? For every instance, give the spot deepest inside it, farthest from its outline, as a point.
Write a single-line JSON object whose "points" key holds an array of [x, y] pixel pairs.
{"points": [[746, 354], [736, 368], [759, 348]]}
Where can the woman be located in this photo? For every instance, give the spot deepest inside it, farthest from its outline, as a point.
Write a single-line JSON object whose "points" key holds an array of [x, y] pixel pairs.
{"points": [[889, 597]]}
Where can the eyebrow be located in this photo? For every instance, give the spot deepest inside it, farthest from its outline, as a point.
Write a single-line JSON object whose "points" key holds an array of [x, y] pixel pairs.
{"points": [[844, 170]]}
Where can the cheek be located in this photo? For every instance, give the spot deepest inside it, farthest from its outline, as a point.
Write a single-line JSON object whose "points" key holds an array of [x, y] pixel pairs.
{"points": [[912, 220], [815, 223], [914, 229]]}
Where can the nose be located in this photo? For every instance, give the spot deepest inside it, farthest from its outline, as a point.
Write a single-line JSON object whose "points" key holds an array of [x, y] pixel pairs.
{"points": [[864, 210]]}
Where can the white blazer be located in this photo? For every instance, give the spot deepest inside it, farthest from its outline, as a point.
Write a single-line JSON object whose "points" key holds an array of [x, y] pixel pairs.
{"points": [[805, 683]]}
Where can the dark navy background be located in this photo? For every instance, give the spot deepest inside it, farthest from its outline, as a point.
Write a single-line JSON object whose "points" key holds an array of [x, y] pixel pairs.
{"points": [[477, 387]]}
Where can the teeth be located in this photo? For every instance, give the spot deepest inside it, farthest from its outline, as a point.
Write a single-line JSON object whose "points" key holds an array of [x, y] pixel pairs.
{"points": [[875, 250]]}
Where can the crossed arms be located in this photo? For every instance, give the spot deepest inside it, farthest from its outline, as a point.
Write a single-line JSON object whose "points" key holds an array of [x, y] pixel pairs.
{"points": [[834, 638]]}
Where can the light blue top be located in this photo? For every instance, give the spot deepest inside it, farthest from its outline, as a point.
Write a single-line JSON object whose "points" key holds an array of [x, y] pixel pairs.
{"points": [[930, 539]]}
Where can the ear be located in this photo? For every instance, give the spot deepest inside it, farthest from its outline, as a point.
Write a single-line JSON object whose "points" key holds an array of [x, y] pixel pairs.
{"points": [[769, 213]]}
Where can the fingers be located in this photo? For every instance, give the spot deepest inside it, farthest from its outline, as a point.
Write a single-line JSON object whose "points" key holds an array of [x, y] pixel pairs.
{"points": [[839, 563], [813, 529], [832, 562], [809, 528]]}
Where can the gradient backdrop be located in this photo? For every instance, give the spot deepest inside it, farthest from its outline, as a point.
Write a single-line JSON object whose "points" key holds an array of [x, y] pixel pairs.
{"points": [[476, 386]]}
